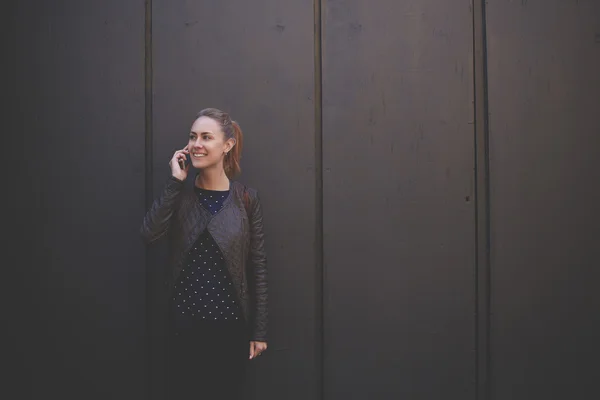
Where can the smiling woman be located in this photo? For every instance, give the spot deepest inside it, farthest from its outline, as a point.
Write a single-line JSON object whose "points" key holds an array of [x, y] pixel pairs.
{"points": [[215, 142], [217, 268]]}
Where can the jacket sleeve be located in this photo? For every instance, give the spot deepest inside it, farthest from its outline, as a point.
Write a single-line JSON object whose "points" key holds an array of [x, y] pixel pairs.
{"points": [[157, 219], [258, 265]]}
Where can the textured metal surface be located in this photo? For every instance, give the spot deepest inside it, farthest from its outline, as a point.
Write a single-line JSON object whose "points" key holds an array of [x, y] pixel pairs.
{"points": [[544, 87], [80, 99], [402, 247], [255, 60], [399, 231]]}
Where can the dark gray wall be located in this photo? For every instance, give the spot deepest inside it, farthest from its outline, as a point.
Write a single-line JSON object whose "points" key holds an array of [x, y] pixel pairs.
{"points": [[79, 110], [361, 138], [398, 222], [544, 97], [256, 61]]}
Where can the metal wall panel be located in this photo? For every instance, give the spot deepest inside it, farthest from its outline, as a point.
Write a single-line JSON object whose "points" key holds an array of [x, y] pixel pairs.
{"points": [[79, 104], [544, 88], [255, 60], [399, 231]]}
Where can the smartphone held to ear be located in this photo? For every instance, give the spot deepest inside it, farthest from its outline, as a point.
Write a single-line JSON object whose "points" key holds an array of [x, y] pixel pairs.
{"points": [[183, 163]]}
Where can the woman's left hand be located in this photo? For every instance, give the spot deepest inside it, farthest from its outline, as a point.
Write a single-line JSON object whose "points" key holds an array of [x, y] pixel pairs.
{"points": [[256, 348]]}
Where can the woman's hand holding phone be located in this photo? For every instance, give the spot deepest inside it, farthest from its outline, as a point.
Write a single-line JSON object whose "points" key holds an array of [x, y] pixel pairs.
{"points": [[180, 164]]}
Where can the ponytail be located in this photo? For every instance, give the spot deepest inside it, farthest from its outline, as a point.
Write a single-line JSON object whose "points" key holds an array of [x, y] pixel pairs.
{"points": [[231, 130], [231, 164]]}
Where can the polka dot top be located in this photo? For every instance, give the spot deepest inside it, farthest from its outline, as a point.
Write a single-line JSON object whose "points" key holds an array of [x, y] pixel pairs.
{"points": [[204, 290]]}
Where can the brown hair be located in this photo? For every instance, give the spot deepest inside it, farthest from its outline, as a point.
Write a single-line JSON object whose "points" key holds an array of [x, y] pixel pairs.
{"points": [[231, 129]]}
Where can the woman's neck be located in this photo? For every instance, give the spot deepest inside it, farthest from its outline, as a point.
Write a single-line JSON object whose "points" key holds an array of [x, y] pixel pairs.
{"points": [[212, 180]]}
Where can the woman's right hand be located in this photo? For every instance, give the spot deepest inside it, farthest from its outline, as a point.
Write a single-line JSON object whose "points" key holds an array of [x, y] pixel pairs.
{"points": [[176, 170]]}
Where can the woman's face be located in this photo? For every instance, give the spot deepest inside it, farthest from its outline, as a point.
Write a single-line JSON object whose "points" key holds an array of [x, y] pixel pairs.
{"points": [[207, 144]]}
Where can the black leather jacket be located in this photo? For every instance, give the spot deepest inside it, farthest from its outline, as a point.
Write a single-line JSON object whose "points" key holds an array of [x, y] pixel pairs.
{"points": [[238, 231]]}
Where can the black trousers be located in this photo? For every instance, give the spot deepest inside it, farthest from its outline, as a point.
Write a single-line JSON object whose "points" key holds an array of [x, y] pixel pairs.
{"points": [[208, 360]]}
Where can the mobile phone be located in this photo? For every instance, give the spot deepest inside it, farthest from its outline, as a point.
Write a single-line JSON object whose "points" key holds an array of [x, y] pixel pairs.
{"points": [[182, 163]]}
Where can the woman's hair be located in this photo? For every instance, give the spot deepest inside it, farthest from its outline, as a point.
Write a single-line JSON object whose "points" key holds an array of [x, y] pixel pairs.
{"points": [[231, 129]]}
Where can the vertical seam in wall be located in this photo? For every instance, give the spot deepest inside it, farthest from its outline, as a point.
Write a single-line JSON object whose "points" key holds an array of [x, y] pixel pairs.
{"points": [[148, 173], [319, 250], [482, 205]]}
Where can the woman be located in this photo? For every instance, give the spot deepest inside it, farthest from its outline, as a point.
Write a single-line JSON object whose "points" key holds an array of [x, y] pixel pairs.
{"points": [[217, 274]]}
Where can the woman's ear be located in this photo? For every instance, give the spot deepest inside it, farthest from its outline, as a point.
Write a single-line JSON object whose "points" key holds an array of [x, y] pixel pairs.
{"points": [[229, 144]]}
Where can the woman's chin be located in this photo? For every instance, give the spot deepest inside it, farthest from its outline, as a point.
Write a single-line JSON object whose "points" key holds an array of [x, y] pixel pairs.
{"points": [[201, 164]]}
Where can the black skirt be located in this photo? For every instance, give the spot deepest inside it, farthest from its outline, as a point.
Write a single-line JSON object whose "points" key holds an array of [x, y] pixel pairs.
{"points": [[208, 359]]}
